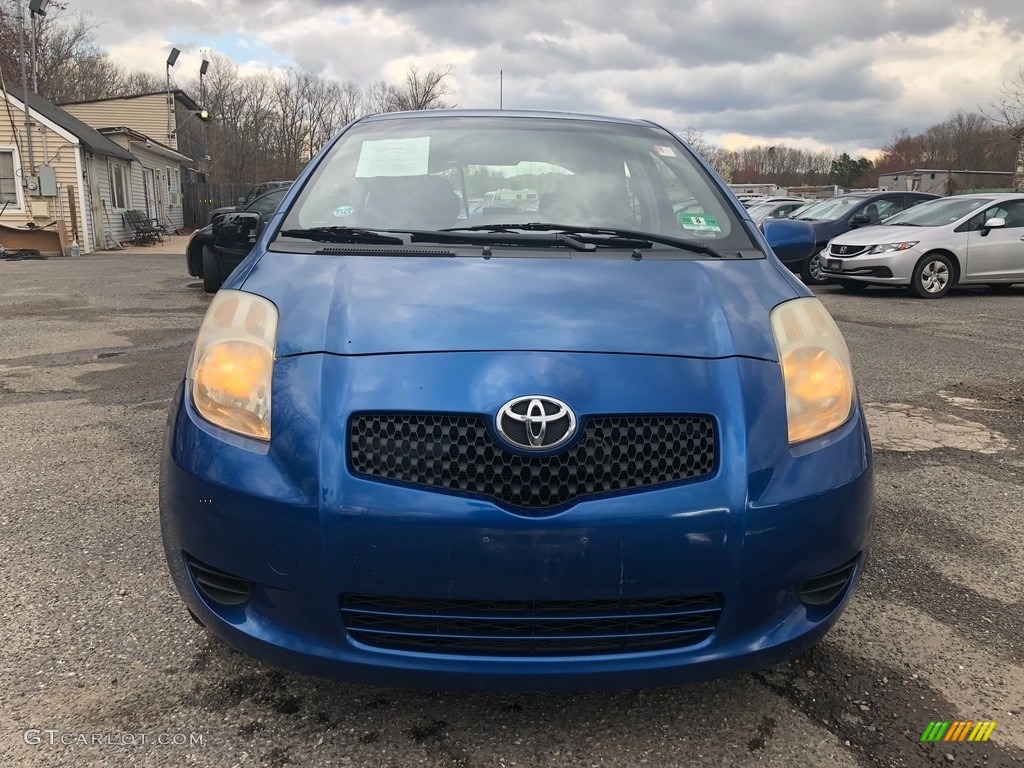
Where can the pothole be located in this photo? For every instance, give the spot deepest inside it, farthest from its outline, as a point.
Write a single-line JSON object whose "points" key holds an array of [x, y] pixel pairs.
{"points": [[902, 427]]}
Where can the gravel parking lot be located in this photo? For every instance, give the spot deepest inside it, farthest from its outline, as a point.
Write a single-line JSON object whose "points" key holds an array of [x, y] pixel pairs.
{"points": [[101, 665]]}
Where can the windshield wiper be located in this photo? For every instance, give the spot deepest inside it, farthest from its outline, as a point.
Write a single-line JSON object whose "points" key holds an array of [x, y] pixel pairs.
{"points": [[615, 237], [343, 235]]}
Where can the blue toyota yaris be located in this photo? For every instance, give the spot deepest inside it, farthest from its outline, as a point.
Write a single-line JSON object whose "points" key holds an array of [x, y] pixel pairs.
{"points": [[581, 441]]}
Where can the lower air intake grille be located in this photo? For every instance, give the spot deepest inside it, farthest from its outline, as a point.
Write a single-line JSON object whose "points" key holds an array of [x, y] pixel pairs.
{"points": [[457, 453], [219, 586], [822, 590], [525, 628]]}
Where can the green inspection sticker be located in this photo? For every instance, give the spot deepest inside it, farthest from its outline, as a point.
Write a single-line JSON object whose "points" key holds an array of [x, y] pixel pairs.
{"points": [[689, 221]]}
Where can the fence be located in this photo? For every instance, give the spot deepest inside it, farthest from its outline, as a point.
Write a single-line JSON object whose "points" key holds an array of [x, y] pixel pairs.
{"points": [[199, 199]]}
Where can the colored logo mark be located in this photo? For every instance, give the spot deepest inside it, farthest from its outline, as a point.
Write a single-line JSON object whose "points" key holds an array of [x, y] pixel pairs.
{"points": [[959, 730]]}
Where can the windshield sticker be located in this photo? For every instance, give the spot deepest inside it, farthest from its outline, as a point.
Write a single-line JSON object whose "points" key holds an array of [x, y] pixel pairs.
{"points": [[393, 157], [664, 151], [344, 210], [705, 222]]}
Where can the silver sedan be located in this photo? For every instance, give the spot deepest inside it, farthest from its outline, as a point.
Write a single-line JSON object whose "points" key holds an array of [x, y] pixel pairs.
{"points": [[963, 240]]}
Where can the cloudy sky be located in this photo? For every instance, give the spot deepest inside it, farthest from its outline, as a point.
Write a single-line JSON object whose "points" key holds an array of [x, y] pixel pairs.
{"points": [[807, 73]]}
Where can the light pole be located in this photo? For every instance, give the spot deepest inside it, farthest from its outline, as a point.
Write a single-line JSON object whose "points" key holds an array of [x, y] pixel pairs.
{"points": [[24, 86], [171, 58], [35, 8]]}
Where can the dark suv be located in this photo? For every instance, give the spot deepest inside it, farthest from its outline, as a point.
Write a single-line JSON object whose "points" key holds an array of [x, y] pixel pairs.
{"points": [[833, 216], [258, 191]]}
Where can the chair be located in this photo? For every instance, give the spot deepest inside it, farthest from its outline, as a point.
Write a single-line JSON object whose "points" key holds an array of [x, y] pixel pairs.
{"points": [[145, 231]]}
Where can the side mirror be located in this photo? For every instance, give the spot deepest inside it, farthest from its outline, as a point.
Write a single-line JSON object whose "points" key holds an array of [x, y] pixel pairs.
{"points": [[237, 231], [241, 201], [994, 223], [859, 220], [791, 240]]}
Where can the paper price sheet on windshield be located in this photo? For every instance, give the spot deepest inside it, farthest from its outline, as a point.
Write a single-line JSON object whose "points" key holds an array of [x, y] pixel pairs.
{"points": [[393, 157]]}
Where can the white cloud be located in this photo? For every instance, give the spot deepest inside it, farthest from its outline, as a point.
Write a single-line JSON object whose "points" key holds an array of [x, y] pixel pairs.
{"points": [[797, 72]]}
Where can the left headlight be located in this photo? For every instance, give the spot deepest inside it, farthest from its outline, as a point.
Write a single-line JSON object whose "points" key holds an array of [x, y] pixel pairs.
{"points": [[890, 247], [816, 368], [232, 363]]}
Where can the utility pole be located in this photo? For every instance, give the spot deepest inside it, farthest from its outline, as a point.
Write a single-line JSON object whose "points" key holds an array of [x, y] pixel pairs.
{"points": [[24, 85], [501, 88]]}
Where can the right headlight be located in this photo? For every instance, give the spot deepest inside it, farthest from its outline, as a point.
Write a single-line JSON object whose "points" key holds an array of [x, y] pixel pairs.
{"points": [[891, 247], [233, 363], [815, 368]]}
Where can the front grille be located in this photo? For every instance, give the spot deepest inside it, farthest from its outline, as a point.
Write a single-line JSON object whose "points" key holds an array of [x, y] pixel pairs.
{"points": [[529, 628], [850, 250], [458, 454]]}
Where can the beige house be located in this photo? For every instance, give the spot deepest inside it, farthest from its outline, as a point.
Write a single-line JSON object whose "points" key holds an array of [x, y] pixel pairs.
{"points": [[55, 178], [172, 119]]}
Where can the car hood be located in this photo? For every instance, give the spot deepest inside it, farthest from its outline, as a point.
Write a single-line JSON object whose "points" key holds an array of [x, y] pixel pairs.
{"points": [[366, 305], [879, 233]]}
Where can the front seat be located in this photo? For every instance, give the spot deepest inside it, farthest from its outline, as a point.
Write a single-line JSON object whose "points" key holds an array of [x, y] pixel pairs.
{"points": [[411, 202], [873, 214], [589, 199]]}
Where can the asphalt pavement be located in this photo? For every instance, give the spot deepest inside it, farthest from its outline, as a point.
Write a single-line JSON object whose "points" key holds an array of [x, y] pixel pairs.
{"points": [[101, 665]]}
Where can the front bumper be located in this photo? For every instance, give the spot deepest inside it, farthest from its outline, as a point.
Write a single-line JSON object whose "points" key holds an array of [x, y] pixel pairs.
{"points": [[895, 268], [293, 523]]}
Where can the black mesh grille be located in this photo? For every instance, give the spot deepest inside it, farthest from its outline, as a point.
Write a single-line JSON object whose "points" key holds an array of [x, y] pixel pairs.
{"points": [[527, 628], [850, 250], [457, 453]]}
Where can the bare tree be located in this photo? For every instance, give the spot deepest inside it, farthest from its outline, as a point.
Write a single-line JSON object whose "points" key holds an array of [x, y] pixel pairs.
{"points": [[425, 91]]}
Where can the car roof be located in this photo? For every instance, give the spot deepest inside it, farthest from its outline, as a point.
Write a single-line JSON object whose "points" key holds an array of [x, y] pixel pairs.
{"points": [[431, 114]]}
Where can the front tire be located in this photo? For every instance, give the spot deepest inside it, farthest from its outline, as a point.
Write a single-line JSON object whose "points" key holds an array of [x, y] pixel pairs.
{"points": [[933, 277], [212, 277], [811, 272]]}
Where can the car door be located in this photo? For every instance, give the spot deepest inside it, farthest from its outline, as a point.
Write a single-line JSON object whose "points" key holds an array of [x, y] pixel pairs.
{"points": [[998, 253]]}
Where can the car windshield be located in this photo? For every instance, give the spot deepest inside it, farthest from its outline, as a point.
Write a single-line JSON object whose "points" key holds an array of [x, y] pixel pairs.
{"points": [[761, 210], [936, 213], [832, 209], [456, 172]]}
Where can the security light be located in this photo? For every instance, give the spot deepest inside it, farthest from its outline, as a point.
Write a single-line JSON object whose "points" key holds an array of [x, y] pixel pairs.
{"points": [[173, 57], [204, 67], [38, 7]]}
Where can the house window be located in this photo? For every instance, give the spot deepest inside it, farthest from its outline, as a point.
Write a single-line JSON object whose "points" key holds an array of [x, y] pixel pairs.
{"points": [[8, 181], [119, 186], [174, 185]]}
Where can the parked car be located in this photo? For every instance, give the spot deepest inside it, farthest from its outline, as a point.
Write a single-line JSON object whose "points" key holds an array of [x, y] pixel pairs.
{"points": [[964, 240], [777, 208], [204, 259], [257, 191], [833, 216], [621, 448]]}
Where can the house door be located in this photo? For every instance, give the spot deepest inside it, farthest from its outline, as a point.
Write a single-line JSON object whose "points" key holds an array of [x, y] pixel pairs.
{"points": [[149, 186]]}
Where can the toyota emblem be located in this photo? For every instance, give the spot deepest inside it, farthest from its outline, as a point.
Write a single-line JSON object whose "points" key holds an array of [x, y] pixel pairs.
{"points": [[536, 423]]}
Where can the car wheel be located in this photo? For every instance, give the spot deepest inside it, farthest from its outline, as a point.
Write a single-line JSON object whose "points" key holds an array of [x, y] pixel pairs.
{"points": [[853, 286], [933, 277], [212, 278], [811, 272]]}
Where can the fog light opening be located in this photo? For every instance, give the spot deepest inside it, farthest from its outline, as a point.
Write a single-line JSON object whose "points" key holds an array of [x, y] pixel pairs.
{"points": [[826, 588], [218, 586]]}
